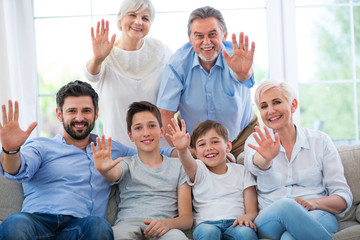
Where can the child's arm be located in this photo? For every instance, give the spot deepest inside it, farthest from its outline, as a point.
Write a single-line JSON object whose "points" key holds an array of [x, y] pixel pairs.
{"points": [[251, 209], [183, 222], [103, 162], [181, 140]]}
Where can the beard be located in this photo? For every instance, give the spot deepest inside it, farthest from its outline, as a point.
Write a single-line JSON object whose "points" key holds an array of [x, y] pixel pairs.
{"points": [[80, 134], [213, 58]]}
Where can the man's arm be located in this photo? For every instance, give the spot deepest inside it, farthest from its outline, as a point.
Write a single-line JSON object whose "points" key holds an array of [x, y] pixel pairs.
{"points": [[166, 117], [12, 138], [103, 163]]}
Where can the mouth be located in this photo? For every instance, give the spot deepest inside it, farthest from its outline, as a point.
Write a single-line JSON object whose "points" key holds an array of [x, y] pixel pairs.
{"points": [[211, 155], [207, 48], [79, 125], [147, 141], [275, 118], [137, 29]]}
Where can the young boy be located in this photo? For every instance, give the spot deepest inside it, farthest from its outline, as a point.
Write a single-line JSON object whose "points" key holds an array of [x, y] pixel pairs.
{"points": [[224, 193], [155, 200]]}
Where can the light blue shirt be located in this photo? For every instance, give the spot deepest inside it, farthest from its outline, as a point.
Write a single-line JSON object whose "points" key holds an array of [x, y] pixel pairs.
{"points": [[201, 96], [58, 178], [315, 170]]}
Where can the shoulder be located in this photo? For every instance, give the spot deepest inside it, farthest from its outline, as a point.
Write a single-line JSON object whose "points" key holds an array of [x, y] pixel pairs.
{"points": [[183, 55]]}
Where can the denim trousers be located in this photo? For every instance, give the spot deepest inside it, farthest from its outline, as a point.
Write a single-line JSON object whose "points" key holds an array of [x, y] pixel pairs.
{"points": [[27, 226], [288, 220], [222, 229]]}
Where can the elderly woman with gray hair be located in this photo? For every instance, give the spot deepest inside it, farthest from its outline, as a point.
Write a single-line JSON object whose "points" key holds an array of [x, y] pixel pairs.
{"points": [[300, 177], [128, 69]]}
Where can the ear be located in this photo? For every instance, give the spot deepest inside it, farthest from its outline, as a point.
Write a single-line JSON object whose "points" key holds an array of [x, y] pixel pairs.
{"points": [[58, 115], [162, 132], [228, 146], [97, 114], [294, 105], [130, 136], [190, 40], [225, 36]]}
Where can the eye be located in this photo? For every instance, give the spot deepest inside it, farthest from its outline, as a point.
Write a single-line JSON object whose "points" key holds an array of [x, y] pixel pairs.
{"points": [[146, 19], [137, 128], [277, 102], [212, 35], [152, 125], [263, 106], [199, 36], [132, 15]]}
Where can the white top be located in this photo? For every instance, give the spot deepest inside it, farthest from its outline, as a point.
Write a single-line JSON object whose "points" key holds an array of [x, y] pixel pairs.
{"points": [[126, 77], [219, 197], [314, 170]]}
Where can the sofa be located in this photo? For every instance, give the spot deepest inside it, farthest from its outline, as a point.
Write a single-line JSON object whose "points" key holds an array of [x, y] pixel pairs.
{"points": [[11, 196]]}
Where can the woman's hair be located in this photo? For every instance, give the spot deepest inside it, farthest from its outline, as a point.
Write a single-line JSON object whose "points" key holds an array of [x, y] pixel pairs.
{"points": [[285, 87], [136, 6], [207, 12]]}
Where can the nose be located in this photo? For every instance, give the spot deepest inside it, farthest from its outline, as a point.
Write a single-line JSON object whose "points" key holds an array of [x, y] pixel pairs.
{"points": [[207, 40], [146, 131], [138, 20], [79, 117], [271, 109]]}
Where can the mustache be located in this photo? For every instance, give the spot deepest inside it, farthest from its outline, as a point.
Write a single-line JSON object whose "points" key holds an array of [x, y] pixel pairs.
{"points": [[207, 45], [77, 122]]}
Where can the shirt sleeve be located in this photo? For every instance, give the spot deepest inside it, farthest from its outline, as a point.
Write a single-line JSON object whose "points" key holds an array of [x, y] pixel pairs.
{"points": [[334, 178], [199, 175], [167, 151], [170, 90], [93, 78]]}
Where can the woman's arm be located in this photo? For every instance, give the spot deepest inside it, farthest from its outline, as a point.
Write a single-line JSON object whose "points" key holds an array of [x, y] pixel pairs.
{"points": [[333, 204]]}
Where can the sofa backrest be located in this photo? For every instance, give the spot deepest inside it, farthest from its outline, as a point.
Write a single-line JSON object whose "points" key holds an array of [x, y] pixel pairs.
{"points": [[11, 197]]}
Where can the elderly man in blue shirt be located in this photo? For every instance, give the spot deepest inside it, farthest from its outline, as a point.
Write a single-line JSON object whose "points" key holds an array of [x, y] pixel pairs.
{"points": [[65, 196], [204, 82]]}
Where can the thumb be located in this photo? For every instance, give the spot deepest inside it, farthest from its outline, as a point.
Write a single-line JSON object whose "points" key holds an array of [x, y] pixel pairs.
{"points": [[116, 161], [31, 128], [147, 222], [226, 56]]}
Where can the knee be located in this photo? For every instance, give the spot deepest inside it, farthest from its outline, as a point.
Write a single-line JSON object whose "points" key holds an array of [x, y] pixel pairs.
{"points": [[206, 231], [244, 232], [17, 226], [98, 226]]}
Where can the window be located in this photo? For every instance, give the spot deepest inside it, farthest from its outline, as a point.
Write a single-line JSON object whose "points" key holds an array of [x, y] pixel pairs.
{"points": [[313, 44]]}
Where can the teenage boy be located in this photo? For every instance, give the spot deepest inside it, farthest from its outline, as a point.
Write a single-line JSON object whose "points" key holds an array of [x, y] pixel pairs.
{"points": [[155, 200], [224, 193]]}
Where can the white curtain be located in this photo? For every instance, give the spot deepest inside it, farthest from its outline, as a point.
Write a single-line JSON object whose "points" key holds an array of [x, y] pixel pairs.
{"points": [[18, 75]]}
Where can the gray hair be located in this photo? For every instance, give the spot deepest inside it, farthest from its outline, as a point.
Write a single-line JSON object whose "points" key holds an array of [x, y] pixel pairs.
{"points": [[285, 87], [207, 12], [136, 6]]}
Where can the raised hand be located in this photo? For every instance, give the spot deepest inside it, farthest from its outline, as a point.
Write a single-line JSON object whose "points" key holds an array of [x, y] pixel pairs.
{"points": [[268, 148], [11, 135], [179, 137], [241, 61], [102, 155], [100, 42]]}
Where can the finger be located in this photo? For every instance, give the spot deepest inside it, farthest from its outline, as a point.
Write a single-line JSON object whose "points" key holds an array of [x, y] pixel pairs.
{"points": [[175, 125], [98, 145], [109, 143], [183, 126], [16, 113], [246, 48], [11, 115], [257, 139], [112, 41], [226, 56], [103, 142], [252, 50], [102, 29], [31, 128], [147, 222], [117, 161], [92, 33], [98, 29], [234, 223], [92, 145], [4, 115], [171, 129], [267, 132], [234, 43], [277, 138], [241, 41]]}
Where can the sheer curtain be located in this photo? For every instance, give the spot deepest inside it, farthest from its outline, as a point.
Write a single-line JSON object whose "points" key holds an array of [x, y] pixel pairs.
{"points": [[18, 75]]}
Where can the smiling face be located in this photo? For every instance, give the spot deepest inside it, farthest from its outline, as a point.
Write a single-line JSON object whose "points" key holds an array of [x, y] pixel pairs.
{"points": [[78, 116], [135, 25], [206, 38], [145, 132], [275, 109], [211, 149]]}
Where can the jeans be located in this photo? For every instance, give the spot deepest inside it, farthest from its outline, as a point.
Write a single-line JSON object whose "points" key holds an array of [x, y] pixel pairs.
{"points": [[222, 229], [287, 220], [49, 226]]}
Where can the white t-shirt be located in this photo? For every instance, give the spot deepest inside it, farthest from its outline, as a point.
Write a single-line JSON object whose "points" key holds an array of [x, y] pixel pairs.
{"points": [[218, 197], [126, 77]]}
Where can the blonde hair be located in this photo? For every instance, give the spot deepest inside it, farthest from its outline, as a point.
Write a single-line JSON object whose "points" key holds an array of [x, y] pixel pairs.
{"points": [[135, 6], [285, 87]]}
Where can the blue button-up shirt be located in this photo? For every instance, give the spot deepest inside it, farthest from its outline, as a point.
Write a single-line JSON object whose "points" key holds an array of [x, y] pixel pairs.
{"points": [[58, 178], [200, 96]]}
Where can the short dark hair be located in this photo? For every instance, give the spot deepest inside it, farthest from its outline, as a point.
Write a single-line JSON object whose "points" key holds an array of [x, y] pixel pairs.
{"points": [[142, 106], [203, 127], [76, 88], [206, 12]]}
